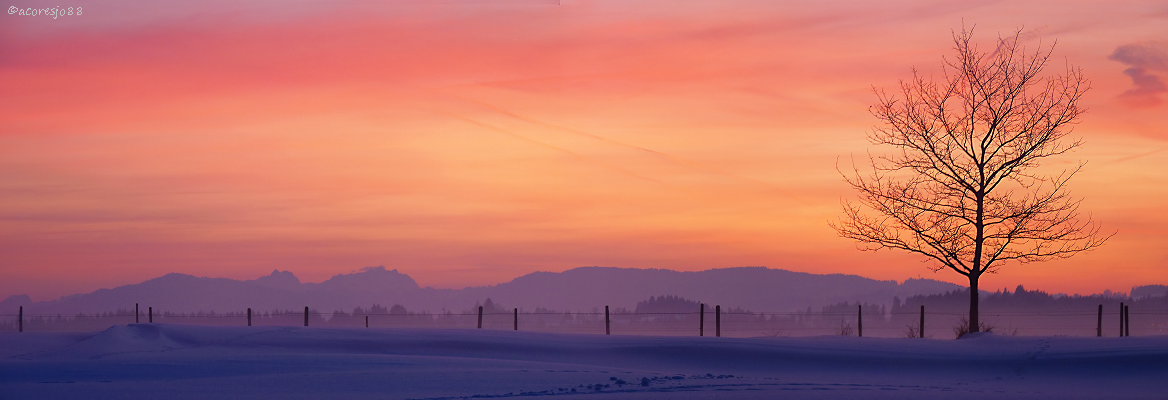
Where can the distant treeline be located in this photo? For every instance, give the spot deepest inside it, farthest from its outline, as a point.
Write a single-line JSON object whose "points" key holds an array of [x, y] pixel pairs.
{"points": [[1018, 312], [1032, 301], [1034, 312]]}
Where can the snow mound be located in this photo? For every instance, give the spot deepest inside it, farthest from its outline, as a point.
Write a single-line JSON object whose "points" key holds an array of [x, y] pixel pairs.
{"points": [[975, 335], [140, 339]]}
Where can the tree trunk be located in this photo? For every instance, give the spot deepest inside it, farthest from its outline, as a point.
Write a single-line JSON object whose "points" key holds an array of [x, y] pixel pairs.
{"points": [[973, 321]]}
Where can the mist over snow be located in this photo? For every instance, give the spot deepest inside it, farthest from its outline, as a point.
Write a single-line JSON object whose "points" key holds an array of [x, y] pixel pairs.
{"points": [[150, 361]]}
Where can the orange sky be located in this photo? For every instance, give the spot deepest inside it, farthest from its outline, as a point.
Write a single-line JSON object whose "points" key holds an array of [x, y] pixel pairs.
{"points": [[466, 142]]}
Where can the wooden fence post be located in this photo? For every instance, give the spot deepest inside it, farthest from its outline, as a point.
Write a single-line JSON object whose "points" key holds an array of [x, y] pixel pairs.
{"points": [[701, 319], [1099, 323], [150, 314], [859, 320], [305, 315], [1121, 319], [922, 326], [136, 313], [516, 319], [480, 317], [20, 319], [249, 316], [718, 320], [1126, 321], [607, 322]]}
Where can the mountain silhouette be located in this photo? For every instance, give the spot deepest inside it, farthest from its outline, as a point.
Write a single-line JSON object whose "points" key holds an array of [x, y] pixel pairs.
{"points": [[579, 289]]}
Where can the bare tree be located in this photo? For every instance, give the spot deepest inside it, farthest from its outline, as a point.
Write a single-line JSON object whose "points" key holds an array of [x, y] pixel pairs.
{"points": [[961, 185]]}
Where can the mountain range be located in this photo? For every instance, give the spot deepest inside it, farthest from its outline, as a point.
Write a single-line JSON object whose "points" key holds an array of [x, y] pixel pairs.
{"points": [[579, 289]]}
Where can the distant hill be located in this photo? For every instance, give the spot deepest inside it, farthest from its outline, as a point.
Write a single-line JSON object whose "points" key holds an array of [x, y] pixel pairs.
{"points": [[280, 290], [579, 289], [754, 288]]}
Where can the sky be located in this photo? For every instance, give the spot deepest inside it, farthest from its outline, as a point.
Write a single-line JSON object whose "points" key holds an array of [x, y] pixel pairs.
{"points": [[468, 142]]}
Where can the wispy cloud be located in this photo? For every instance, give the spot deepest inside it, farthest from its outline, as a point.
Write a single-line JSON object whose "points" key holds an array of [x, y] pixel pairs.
{"points": [[1148, 64]]}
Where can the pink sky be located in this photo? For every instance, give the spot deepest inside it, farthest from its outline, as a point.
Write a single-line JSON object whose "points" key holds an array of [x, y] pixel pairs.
{"points": [[467, 142]]}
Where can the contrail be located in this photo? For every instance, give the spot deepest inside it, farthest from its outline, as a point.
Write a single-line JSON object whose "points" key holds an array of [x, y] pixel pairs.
{"points": [[1132, 157], [654, 153], [560, 149]]}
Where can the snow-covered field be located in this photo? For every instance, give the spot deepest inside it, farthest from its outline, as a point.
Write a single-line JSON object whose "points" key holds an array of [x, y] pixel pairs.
{"points": [[165, 361]]}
